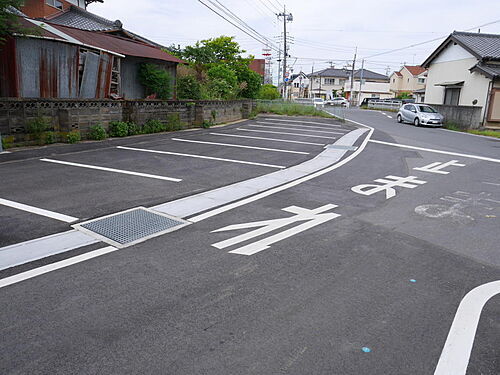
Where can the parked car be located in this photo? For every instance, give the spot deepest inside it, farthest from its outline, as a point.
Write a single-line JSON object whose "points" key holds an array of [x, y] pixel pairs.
{"points": [[420, 114], [318, 102], [337, 101]]}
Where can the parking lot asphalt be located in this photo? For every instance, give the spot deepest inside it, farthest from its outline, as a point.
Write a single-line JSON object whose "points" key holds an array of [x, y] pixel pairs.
{"points": [[325, 274]]}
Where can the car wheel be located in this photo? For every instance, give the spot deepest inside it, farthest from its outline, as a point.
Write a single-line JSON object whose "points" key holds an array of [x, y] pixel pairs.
{"points": [[400, 119], [416, 122]]}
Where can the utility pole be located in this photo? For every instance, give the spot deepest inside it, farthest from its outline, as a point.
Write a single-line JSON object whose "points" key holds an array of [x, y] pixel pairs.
{"points": [[361, 80], [311, 79], [287, 17], [352, 76]]}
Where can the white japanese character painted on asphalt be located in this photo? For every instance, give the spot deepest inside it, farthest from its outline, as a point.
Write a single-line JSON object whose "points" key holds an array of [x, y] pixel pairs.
{"points": [[437, 167], [312, 218], [389, 182]]}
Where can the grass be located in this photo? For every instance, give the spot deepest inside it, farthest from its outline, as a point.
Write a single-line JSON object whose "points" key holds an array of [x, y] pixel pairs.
{"points": [[488, 133], [291, 109]]}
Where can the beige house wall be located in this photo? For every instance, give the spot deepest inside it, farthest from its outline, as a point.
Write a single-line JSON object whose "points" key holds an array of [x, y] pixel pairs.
{"points": [[475, 86], [406, 83]]}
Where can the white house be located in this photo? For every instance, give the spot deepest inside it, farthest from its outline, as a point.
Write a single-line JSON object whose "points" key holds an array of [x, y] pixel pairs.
{"points": [[328, 83], [464, 71], [299, 86], [373, 85], [408, 80]]}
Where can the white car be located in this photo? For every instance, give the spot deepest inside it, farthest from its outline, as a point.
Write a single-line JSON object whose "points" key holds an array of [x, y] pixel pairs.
{"points": [[318, 102], [338, 101]]}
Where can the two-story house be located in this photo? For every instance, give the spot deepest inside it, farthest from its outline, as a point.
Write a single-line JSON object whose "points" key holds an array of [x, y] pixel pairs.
{"points": [[367, 84], [464, 75], [409, 79], [328, 83]]}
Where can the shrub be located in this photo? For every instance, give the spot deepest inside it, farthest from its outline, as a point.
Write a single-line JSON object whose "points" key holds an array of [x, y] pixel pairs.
{"points": [[97, 133], [50, 138], [156, 80], [207, 124], [118, 129], [74, 137], [154, 126], [269, 92], [7, 142], [188, 87], [133, 129], [174, 121], [37, 127]]}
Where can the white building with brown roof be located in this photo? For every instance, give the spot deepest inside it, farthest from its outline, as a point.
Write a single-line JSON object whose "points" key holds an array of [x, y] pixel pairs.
{"points": [[408, 80]]}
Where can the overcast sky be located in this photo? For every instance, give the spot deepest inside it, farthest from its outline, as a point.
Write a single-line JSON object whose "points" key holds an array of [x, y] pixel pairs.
{"points": [[323, 30]]}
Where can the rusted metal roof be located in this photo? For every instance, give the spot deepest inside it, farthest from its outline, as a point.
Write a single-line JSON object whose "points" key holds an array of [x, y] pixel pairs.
{"points": [[116, 44]]}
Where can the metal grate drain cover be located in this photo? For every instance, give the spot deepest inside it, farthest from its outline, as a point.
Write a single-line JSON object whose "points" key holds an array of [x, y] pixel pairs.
{"points": [[130, 227]]}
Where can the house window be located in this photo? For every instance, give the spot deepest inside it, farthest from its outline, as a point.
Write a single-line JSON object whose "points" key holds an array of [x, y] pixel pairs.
{"points": [[394, 80], [452, 96], [296, 84], [55, 3], [329, 81], [421, 80]]}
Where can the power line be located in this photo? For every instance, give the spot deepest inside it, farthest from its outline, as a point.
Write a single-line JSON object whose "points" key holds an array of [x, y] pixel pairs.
{"points": [[260, 38]]}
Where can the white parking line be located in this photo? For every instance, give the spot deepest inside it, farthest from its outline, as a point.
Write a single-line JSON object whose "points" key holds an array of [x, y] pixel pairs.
{"points": [[491, 183], [55, 266], [437, 151], [112, 170], [239, 146], [302, 126], [296, 134], [455, 357], [303, 122], [200, 157], [38, 211], [293, 129], [389, 116], [268, 139]]}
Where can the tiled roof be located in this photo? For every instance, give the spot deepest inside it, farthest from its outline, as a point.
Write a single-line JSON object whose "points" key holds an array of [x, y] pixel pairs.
{"points": [[332, 72], [490, 70], [398, 74], [81, 19], [368, 74], [415, 70], [484, 46]]}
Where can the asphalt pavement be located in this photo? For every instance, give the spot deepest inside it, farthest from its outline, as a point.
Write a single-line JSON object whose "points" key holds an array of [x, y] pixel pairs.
{"points": [[365, 247]]}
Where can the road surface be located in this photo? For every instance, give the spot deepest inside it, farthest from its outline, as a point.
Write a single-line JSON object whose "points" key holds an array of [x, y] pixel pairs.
{"points": [[304, 246]]}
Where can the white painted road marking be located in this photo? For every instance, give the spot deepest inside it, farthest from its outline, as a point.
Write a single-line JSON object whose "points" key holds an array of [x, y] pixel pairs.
{"points": [[268, 139], [294, 129], [389, 182], [200, 157], [302, 126], [38, 211], [240, 146], [491, 183], [112, 170], [312, 217], [295, 134], [304, 122], [437, 151], [455, 357], [289, 185], [54, 266], [437, 167]]}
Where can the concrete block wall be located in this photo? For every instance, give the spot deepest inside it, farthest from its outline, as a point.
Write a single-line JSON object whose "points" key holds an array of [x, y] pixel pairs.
{"points": [[66, 115], [465, 117]]}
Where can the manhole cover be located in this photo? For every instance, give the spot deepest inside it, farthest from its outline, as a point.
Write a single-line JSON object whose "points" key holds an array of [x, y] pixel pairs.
{"points": [[131, 227]]}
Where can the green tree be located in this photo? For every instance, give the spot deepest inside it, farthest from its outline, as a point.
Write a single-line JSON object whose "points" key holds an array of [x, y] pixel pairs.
{"points": [[404, 95], [223, 82], [188, 87], [156, 80], [249, 81], [9, 21], [268, 92]]}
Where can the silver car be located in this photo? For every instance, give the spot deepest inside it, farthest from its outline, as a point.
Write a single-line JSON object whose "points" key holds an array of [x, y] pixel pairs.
{"points": [[420, 114]]}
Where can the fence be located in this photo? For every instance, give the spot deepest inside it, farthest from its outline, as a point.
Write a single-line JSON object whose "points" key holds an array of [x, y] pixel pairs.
{"points": [[384, 104]]}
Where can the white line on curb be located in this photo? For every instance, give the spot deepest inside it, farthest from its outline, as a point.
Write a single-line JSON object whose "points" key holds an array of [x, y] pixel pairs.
{"points": [[55, 266], [200, 157], [38, 211], [437, 151], [113, 170], [239, 146], [268, 139], [295, 134], [455, 357]]}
